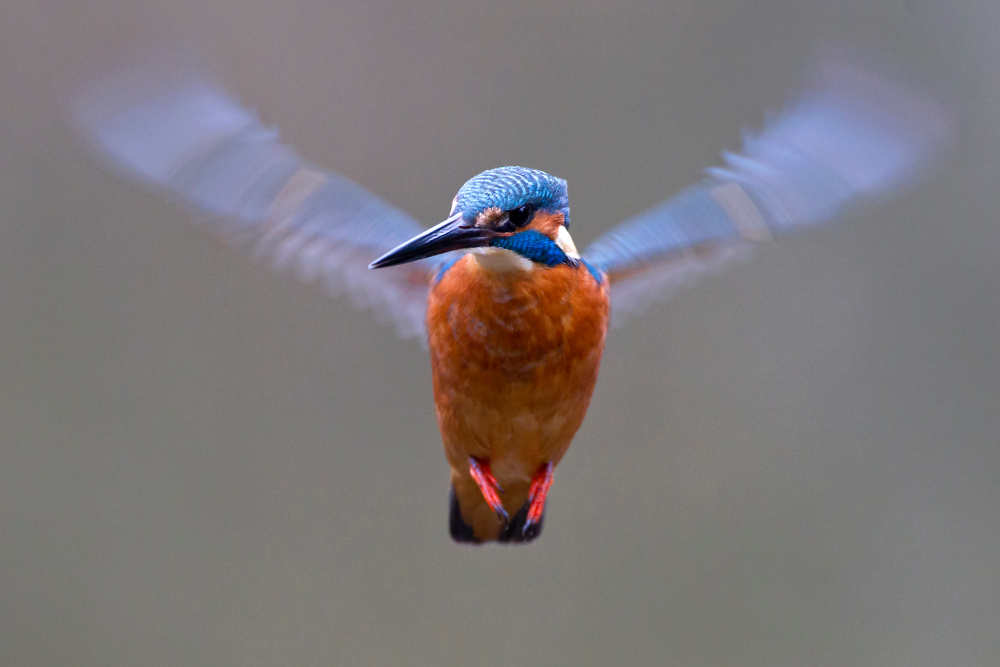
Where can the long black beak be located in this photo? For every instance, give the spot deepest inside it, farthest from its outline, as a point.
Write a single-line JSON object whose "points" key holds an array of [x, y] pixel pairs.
{"points": [[452, 234]]}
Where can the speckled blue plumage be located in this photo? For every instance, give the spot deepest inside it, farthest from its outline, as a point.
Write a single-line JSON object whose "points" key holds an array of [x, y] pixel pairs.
{"points": [[506, 188]]}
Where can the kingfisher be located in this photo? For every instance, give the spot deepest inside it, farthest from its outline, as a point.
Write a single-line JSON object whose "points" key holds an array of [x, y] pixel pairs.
{"points": [[514, 316]]}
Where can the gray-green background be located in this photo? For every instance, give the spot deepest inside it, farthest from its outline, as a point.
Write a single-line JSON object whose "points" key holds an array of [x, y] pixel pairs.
{"points": [[794, 463]]}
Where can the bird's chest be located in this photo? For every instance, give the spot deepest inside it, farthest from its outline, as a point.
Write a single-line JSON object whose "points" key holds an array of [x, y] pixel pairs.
{"points": [[514, 356]]}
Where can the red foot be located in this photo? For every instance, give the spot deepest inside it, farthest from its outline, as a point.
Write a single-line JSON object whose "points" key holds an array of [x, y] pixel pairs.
{"points": [[487, 483], [539, 489]]}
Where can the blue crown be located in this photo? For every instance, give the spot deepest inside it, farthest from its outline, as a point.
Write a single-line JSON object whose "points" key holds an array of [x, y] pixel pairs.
{"points": [[506, 188]]}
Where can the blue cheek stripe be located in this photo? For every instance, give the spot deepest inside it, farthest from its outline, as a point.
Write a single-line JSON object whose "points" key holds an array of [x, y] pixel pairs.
{"points": [[536, 246]]}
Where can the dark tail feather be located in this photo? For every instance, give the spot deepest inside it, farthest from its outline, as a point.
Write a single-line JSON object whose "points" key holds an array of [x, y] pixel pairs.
{"points": [[512, 533], [460, 531]]}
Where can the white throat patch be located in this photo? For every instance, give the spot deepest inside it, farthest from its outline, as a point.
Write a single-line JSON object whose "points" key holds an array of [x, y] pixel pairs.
{"points": [[565, 242], [500, 260]]}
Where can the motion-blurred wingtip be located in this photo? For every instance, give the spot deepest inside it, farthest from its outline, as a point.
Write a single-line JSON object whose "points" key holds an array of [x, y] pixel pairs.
{"points": [[113, 108], [917, 108]]}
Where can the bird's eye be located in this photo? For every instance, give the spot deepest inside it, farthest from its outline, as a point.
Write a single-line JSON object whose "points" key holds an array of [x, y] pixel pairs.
{"points": [[520, 216]]}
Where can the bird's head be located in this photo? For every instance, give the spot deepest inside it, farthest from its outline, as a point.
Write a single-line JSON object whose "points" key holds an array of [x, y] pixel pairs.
{"points": [[505, 210]]}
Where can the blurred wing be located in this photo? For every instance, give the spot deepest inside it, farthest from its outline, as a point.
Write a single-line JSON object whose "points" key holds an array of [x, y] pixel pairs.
{"points": [[852, 134], [175, 130]]}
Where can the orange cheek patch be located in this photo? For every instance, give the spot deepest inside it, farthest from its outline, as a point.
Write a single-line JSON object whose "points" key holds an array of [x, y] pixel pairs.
{"points": [[546, 223]]}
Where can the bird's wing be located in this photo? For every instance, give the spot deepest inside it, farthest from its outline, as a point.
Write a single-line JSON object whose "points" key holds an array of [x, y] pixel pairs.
{"points": [[851, 135], [174, 129]]}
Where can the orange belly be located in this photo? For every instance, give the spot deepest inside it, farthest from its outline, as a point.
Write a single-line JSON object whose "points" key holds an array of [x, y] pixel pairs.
{"points": [[514, 357]]}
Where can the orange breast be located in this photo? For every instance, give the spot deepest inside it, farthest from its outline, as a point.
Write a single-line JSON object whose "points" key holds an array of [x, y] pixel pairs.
{"points": [[514, 357]]}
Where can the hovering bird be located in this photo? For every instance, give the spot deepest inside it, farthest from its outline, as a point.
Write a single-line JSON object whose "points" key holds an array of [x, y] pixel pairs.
{"points": [[514, 316]]}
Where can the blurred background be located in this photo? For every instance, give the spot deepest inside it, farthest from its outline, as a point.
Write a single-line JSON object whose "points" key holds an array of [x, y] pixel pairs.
{"points": [[794, 463]]}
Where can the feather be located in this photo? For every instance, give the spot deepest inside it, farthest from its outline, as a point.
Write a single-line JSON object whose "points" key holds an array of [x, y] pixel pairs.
{"points": [[854, 134], [175, 130]]}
